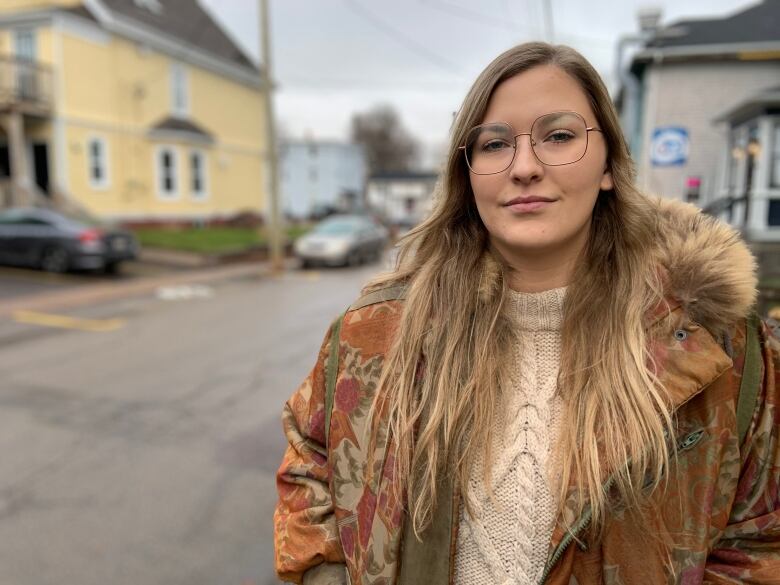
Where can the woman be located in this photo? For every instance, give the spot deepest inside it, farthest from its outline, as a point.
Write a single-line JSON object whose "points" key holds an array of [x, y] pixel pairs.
{"points": [[547, 388]]}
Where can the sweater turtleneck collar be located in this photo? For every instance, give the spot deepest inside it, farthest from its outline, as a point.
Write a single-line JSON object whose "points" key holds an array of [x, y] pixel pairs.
{"points": [[542, 311]]}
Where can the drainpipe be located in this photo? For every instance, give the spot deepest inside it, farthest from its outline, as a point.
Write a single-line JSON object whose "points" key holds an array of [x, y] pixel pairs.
{"points": [[648, 23], [629, 115]]}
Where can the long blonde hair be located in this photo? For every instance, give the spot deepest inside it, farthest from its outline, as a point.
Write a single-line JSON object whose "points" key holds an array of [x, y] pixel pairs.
{"points": [[444, 374]]}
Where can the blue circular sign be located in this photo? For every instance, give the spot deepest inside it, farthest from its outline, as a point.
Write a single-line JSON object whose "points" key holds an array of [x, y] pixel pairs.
{"points": [[669, 147]]}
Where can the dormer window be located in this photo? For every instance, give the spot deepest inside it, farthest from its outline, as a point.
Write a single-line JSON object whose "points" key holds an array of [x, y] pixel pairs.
{"points": [[150, 5], [180, 95]]}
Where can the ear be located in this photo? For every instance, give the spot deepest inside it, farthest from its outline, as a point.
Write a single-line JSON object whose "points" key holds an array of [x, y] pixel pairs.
{"points": [[606, 181]]}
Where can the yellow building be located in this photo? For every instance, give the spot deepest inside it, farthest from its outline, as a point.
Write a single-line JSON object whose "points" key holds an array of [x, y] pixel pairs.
{"points": [[137, 110]]}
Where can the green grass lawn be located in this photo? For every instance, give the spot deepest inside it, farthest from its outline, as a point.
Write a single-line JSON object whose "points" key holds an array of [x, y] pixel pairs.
{"points": [[209, 240], [770, 282]]}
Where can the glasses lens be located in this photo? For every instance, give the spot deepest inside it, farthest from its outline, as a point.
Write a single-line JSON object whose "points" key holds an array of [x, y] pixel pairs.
{"points": [[559, 138], [490, 148]]}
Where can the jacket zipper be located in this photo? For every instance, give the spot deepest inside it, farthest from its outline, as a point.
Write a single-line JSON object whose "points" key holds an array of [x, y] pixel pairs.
{"points": [[567, 539], [683, 445]]}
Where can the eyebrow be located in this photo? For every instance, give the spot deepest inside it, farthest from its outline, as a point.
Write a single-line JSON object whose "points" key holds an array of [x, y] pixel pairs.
{"points": [[558, 114]]}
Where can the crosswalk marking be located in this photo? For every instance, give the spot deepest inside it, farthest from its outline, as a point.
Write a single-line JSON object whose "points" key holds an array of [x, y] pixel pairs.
{"points": [[67, 322]]}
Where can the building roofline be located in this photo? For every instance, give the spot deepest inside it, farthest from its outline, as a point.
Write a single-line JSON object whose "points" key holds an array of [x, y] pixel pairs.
{"points": [[133, 30], [173, 46], [711, 50], [756, 104], [403, 176], [231, 37], [744, 52], [320, 143]]}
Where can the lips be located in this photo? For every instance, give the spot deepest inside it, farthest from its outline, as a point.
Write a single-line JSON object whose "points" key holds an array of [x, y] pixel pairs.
{"points": [[528, 199], [528, 204]]}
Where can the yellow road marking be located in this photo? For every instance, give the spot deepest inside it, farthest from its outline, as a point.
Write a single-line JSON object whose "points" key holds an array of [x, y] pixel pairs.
{"points": [[66, 322]]}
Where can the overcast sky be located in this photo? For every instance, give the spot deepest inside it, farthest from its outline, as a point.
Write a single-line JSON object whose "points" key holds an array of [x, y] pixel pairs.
{"points": [[332, 58]]}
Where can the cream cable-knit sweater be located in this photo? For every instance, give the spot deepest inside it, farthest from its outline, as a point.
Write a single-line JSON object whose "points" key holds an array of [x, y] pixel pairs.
{"points": [[506, 543]]}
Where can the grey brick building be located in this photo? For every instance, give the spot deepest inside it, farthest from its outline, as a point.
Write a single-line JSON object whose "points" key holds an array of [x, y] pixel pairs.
{"points": [[704, 115]]}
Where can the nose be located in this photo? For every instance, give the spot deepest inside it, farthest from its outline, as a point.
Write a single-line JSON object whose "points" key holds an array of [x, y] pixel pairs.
{"points": [[525, 166]]}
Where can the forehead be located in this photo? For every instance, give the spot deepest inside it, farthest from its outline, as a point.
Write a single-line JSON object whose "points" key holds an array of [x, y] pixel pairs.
{"points": [[524, 97]]}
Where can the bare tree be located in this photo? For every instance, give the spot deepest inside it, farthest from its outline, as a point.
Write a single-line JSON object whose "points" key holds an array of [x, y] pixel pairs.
{"points": [[389, 146]]}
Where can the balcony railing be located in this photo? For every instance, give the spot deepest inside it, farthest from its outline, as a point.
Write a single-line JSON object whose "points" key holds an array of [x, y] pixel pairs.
{"points": [[25, 85]]}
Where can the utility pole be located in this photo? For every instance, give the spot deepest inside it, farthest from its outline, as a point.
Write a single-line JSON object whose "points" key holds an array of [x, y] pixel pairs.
{"points": [[275, 221], [549, 32]]}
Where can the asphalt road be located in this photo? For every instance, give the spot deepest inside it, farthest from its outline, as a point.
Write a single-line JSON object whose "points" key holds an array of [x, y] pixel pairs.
{"points": [[140, 437], [23, 281]]}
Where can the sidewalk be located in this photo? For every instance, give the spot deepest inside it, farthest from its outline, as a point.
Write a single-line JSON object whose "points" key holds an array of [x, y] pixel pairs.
{"points": [[114, 290]]}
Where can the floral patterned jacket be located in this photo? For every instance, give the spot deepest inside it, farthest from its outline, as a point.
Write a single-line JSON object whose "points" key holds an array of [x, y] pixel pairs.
{"points": [[337, 520]]}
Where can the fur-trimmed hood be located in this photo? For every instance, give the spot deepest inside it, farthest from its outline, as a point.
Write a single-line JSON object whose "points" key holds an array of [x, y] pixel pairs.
{"points": [[708, 267]]}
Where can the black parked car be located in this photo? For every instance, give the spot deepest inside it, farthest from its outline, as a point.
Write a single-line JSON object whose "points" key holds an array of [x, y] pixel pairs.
{"points": [[57, 243]]}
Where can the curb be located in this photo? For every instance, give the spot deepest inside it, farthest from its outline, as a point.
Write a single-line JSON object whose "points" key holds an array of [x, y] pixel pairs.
{"points": [[180, 259], [174, 259], [109, 291]]}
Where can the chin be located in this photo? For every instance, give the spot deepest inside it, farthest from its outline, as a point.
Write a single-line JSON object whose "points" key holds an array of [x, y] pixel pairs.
{"points": [[529, 243]]}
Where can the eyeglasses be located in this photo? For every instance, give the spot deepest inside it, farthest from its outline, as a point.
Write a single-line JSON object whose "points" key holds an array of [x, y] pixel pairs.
{"points": [[557, 138]]}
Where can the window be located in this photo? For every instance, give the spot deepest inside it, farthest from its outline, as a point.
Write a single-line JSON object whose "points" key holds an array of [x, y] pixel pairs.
{"points": [[24, 47], [97, 161], [736, 154], [774, 213], [24, 44], [180, 99], [198, 174], [167, 186], [775, 163]]}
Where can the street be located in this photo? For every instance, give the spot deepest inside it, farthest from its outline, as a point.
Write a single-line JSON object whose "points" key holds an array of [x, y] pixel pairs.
{"points": [[141, 434]]}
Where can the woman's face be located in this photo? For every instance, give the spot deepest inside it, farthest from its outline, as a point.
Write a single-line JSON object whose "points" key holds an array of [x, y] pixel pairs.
{"points": [[518, 226]]}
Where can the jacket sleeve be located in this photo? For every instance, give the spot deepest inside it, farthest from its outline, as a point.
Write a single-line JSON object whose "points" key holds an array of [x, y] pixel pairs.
{"points": [[306, 539], [749, 549]]}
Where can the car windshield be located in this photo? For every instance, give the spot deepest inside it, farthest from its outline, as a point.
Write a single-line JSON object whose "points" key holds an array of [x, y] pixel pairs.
{"points": [[338, 227], [83, 217]]}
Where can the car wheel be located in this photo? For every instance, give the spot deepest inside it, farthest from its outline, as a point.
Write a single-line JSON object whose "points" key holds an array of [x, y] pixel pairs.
{"points": [[55, 259], [306, 264], [353, 258], [111, 268]]}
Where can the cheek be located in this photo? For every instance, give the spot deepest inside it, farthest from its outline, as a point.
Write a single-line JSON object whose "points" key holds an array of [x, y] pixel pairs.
{"points": [[581, 185], [486, 190]]}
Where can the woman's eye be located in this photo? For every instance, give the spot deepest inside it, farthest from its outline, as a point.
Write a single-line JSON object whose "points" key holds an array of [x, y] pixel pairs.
{"points": [[559, 136], [494, 145]]}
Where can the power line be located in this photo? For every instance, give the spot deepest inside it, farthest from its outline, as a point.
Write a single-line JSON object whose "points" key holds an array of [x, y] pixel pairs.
{"points": [[401, 38], [475, 16], [308, 82]]}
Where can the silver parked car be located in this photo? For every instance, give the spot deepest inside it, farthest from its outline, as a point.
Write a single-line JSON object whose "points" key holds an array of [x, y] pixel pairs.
{"points": [[57, 243], [342, 240]]}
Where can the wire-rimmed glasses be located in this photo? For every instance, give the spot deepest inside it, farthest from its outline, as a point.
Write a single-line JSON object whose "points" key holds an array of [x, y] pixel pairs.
{"points": [[557, 138]]}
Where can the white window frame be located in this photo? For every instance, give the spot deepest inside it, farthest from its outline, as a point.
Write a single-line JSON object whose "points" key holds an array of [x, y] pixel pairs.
{"points": [[774, 154], [203, 193], [173, 194], [30, 35], [180, 88], [25, 47], [103, 162]]}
